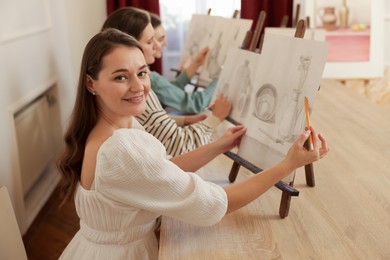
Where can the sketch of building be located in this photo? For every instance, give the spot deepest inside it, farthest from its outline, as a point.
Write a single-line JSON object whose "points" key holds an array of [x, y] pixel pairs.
{"points": [[294, 102]]}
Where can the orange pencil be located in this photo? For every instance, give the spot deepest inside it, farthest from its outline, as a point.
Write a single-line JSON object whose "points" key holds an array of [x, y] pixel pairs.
{"points": [[308, 122]]}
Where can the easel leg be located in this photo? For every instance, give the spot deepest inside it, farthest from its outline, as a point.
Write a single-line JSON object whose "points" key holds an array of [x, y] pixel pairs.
{"points": [[285, 201], [284, 207], [309, 172], [234, 172]]}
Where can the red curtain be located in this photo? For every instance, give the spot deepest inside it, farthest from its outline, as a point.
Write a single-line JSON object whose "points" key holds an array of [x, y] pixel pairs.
{"points": [[148, 5], [275, 10]]}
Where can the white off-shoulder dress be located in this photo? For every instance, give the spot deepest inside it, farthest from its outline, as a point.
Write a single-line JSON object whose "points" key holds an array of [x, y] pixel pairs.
{"points": [[134, 184]]}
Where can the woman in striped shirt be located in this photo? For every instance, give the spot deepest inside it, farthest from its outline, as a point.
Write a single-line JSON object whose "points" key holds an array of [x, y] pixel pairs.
{"points": [[179, 135]]}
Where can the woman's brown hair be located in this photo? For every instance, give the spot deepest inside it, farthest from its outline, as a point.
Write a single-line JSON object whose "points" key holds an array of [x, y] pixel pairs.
{"points": [[155, 20], [129, 20], [85, 112]]}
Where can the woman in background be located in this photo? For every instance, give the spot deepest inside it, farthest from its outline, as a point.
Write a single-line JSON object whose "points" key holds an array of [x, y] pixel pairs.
{"points": [[172, 93], [176, 139], [160, 34], [120, 176]]}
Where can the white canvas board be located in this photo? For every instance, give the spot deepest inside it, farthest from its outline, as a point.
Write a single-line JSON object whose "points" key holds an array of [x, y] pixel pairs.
{"points": [[267, 92], [198, 36], [227, 33], [276, 109]]}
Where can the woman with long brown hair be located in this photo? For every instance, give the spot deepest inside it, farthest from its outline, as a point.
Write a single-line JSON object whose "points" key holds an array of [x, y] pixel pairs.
{"points": [[121, 177]]}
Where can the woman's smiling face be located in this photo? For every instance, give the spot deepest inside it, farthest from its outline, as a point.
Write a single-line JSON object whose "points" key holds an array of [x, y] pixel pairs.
{"points": [[123, 83]]}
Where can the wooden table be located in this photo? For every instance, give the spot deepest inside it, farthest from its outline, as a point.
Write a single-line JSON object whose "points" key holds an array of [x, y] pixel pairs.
{"points": [[346, 216]]}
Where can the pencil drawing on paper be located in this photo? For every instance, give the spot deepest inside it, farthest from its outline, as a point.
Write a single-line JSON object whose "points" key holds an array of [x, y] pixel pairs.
{"points": [[244, 97], [236, 83], [293, 110], [216, 33], [265, 103], [198, 35], [267, 91], [212, 64], [226, 33]]}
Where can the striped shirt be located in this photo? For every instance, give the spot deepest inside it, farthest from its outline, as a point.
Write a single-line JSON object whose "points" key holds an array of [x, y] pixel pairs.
{"points": [[176, 139]]}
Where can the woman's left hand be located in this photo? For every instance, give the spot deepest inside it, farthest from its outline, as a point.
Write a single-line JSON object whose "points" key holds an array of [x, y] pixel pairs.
{"points": [[231, 138]]}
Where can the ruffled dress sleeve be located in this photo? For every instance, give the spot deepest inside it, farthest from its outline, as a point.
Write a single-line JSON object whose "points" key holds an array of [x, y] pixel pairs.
{"points": [[134, 172]]}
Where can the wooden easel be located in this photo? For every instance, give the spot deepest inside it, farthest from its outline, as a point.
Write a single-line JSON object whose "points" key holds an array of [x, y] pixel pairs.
{"points": [[257, 33], [284, 22], [287, 189], [297, 11]]}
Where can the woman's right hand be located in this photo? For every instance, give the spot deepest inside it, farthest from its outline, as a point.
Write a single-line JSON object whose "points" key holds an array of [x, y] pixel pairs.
{"points": [[299, 156], [221, 107], [201, 57], [189, 120], [197, 62]]}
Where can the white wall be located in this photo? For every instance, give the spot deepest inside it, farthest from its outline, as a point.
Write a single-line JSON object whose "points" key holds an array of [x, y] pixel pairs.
{"points": [[31, 61], [387, 33]]}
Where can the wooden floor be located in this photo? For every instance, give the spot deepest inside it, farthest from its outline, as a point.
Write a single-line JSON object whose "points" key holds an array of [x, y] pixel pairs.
{"points": [[52, 230]]}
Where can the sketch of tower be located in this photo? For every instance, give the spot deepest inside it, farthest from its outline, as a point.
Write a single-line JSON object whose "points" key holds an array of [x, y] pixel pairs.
{"points": [[291, 112], [244, 89]]}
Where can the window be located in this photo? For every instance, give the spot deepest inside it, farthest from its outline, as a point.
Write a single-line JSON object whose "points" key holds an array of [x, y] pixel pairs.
{"points": [[176, 17]]}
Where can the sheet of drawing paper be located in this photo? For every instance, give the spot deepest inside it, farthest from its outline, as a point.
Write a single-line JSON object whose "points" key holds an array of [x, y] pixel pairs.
{"points": [[227, 33], [236, 81], [199, 33], [288, 70]]}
